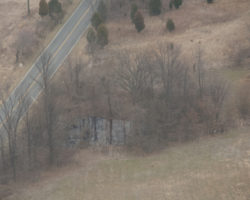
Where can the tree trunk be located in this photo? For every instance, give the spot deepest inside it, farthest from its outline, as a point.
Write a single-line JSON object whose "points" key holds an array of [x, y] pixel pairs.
{"points": [[95, 132], [2, 154], [12, 157], [111, 118], [110, 131], [124, 133], [28, 6], [29, 140], [17, 56], [51, 149], [13, 164]]}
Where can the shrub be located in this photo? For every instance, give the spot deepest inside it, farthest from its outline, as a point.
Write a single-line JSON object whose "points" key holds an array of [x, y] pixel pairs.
{"points": [[102, 10], [170, 25], [210, 1], [134, 9], [139, 21], [54, 7], [155, 7], [43, 8], [102, 35], [96, 20]]}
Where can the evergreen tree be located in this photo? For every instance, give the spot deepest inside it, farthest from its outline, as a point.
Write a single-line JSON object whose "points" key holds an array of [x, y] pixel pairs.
{"points": [[54, 7], [133, 10], [155, 7], [171, 5], [43, 8], [91, 36], [102, 35], [170, 25], [139, 21], [102, 10], [96, 20]]}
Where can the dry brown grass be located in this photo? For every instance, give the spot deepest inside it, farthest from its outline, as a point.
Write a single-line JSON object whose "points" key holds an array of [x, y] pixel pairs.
{"points": [[217, 28], [211, 168]]}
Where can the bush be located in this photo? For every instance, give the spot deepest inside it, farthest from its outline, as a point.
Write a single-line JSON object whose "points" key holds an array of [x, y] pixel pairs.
{"points": [[139, 21], [43, 8], [155, 7], [176, 3], [54, 7], [102, 35], [96, 20], [170, 25], [134, 9], [210, 1], [102, 10]]}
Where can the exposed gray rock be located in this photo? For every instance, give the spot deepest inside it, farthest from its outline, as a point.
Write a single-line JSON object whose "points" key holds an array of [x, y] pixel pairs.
{"points": [[96, 131]]}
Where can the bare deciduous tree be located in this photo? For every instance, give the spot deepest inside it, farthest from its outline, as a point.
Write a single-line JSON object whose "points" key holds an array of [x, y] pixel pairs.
{"points": [[107, 90], [198, 68], [170, 68], [48, 101], [11, 113], [29, 137], [135, 76], [2, 149], [218, 89], [72, 78], [243, 101]]}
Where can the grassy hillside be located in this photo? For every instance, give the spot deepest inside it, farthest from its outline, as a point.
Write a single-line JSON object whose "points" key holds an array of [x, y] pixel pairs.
{"points": [[209, 168], [213, 168]]}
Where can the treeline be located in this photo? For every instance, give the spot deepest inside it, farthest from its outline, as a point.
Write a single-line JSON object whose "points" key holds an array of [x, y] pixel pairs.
{"points": [[31, 137], [164, 99]]}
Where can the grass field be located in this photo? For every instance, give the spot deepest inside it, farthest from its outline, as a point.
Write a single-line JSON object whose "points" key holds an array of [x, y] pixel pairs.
{"points": [[212, 168]]}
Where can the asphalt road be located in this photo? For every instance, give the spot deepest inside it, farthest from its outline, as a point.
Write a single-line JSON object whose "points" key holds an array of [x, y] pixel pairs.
{"points": [[58, 49]]}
